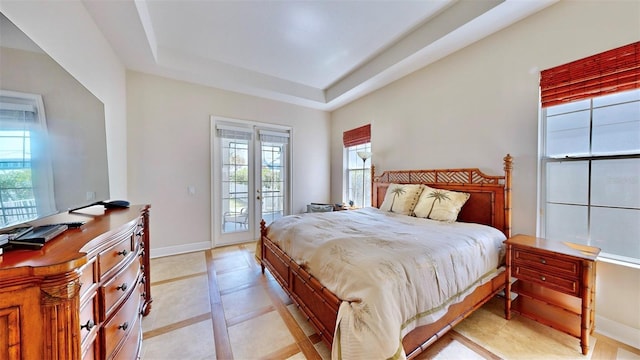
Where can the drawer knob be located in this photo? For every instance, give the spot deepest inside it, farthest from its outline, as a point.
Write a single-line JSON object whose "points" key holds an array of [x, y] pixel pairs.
{"points": [[123, 252], [124, 326], [89, 325], [543, 261], [543, 278], [122, 287]]}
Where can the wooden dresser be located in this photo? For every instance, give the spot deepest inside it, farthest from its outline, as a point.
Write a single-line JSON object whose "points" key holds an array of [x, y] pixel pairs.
{"points": [[83, 294], [555, 284]]}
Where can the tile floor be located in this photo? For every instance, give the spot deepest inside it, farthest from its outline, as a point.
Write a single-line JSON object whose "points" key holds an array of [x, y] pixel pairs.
{"points": [[223, 292]]}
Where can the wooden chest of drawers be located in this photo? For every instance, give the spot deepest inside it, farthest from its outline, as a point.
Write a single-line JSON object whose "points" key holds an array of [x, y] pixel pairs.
{"points": [[87, 289], [555, 284]]}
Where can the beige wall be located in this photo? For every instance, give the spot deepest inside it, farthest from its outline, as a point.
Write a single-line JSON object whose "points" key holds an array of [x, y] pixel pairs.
{"points": [[476, 105], [169, 150]]}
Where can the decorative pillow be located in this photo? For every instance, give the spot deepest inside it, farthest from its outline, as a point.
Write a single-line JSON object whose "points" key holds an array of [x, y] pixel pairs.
{"points": [[401, 198], [438, 204]]}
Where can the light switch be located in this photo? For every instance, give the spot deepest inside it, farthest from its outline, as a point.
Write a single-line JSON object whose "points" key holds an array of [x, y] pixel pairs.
{"points": [[191, 190]]}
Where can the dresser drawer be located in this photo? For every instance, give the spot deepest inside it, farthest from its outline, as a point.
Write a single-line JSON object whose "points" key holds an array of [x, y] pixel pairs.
{"points": [[139, 230], [123, 322], [89, 353], [567, 286], [112, 258], [88, 319], [120, 286], [546, 262], [130, 349], [88, 279]]}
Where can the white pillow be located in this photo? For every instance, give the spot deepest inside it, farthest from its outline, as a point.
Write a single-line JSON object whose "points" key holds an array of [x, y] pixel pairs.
{"points": [[401, 198], [438, 204]]}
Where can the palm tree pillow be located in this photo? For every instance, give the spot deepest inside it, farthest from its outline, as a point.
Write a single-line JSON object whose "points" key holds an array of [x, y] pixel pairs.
{"points": [[401, 198], [438, 204]]}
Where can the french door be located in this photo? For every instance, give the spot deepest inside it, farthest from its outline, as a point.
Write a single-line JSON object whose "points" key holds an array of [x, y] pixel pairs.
{"points": [[250, 179]]}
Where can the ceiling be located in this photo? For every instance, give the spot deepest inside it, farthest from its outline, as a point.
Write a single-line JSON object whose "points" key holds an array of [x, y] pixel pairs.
{"points": [[319, 54]]}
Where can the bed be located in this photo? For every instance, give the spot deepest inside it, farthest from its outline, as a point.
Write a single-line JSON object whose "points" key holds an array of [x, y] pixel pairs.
{"points": [[308, 268]]}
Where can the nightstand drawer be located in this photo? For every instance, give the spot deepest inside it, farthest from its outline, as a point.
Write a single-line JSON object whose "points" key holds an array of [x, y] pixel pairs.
{"points": [[546, 262], [567, 286]]}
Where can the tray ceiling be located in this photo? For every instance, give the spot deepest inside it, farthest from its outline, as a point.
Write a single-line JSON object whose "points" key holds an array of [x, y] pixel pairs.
{"points": [[319, 54]]}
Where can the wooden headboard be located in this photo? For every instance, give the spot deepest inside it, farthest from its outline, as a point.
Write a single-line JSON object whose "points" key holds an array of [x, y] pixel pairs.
{"points": [[490, 200]]}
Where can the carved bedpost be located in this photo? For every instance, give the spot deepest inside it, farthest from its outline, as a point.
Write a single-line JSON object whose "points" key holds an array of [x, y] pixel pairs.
{"points": [[373, 176], [508, 167], [263, 228], [146, 256], [263, 233]]}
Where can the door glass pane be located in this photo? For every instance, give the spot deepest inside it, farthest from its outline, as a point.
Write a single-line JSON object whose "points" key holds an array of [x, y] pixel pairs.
{"points": [[273, 180], [235, 185]]}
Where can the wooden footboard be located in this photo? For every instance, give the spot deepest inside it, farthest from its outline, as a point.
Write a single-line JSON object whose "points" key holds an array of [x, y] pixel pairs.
{"points": [[318, 304], [422, 337]]}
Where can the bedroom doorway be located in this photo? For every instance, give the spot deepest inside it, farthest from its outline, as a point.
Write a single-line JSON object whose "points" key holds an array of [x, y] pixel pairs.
{"points": [[250, 178]]}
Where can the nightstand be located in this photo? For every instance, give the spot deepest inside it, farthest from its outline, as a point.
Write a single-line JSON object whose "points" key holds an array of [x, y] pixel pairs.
{"points": [[554, 284]]}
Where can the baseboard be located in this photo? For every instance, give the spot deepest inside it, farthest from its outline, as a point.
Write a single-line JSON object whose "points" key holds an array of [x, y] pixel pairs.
{"points": [[617, 331], [180, 249]]}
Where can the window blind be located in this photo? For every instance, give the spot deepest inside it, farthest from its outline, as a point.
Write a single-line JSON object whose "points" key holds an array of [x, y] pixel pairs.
{"points": [[232, 132], [612, 71], [357, 136], [274, 136]]}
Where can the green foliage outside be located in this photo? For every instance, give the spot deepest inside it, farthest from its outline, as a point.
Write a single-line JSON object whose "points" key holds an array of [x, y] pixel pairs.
{"points": [[270, 178], [16, 185]]}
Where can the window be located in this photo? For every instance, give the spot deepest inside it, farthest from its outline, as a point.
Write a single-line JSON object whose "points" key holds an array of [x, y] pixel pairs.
{"points": [[359, 175], [357, 143], [590, 169], [22, 153]]}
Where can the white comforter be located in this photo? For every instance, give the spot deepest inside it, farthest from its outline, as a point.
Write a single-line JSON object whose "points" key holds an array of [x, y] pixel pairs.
{"points": [[395, 272]]}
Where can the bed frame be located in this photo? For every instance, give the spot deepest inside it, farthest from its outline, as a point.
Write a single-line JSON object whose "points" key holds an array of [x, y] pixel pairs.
{"points": [[489, 204]]}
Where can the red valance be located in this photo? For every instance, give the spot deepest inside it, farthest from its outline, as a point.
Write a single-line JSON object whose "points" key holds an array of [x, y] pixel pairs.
{"points": [[357, 136], [609, 72]]}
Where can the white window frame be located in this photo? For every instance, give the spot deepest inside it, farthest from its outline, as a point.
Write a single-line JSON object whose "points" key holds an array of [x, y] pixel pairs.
{"points": [[44, 185], [580, 159], [354, 165]]}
